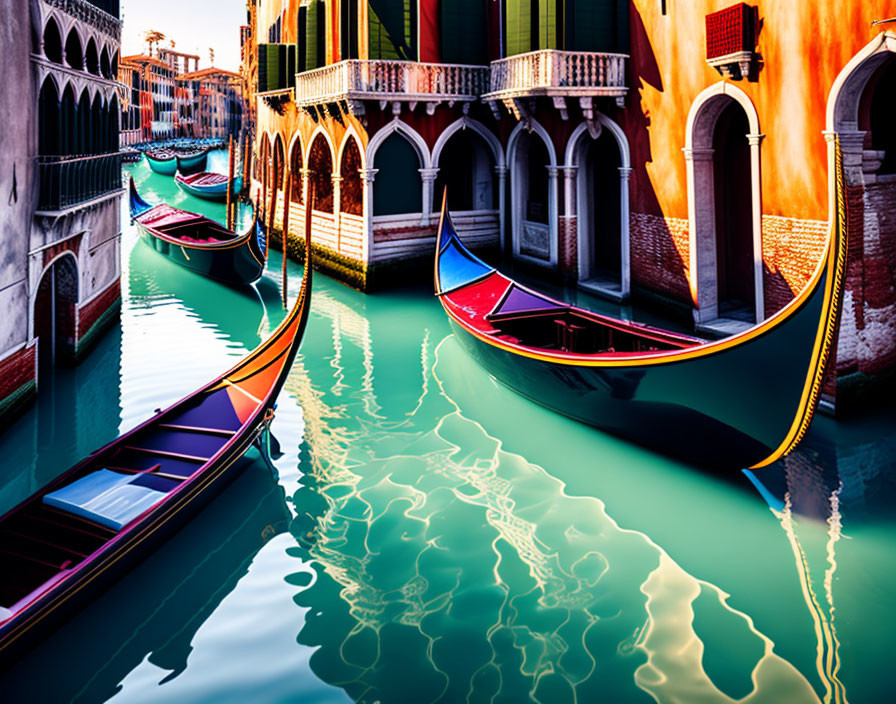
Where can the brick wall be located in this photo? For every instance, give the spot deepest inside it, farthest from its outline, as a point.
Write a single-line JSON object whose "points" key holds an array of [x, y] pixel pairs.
{"points": [[95, 315], [567, 251], [868, 329], [659, 254], [17, 381], [791, 249]]}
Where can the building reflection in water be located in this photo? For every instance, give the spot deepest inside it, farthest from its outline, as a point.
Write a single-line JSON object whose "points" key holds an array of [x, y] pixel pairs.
{"points": [[840, 469], [445, 565]]}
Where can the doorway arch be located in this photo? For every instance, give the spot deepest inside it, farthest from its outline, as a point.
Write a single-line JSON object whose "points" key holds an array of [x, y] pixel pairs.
{"points": [[601, 169], [533, 169], [861, 110], [723, 136], [54, 311]]}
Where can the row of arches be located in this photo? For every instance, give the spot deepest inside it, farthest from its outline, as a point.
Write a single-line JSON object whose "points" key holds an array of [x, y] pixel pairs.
{"points": [[71, 125], [96, 58], [320, 159], [469, 160]]}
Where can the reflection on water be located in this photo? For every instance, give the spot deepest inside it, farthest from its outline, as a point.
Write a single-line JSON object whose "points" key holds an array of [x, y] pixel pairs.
{"points": [[450, 541]]}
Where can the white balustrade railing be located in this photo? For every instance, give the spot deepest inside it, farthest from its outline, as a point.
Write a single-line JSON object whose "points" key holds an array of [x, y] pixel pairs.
{"points": [[407, 80], [558, 72]]}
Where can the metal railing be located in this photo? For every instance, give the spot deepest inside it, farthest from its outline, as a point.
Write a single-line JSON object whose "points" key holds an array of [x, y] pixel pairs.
{"points": [[67, 181], [380, 79], [553, 72]]}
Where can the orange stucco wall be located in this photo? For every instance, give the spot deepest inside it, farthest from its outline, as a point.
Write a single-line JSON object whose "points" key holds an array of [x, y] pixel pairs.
{"points": [[803, 45]]}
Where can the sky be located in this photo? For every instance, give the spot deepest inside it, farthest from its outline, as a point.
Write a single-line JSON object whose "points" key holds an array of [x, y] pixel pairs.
{"points": [[194, 25]]}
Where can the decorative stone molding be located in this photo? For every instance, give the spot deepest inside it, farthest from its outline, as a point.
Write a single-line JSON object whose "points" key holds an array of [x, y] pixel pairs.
{"points": [[91, 14], [390, 84]]}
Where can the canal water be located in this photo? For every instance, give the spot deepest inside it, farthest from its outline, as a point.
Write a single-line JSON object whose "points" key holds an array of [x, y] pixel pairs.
{"points": [[426, 535]]}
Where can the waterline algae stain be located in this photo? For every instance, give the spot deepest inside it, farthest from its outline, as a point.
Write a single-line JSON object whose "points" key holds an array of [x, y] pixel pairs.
{"points": [[430, 536]]}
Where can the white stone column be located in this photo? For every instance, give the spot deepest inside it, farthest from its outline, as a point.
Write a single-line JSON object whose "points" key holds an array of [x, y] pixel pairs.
{"points": [[501, 172], [570, 180], [367, 178], [429, 179], [337, 209], [625, 173], [553, 219], [755, 140], [701, 234]]}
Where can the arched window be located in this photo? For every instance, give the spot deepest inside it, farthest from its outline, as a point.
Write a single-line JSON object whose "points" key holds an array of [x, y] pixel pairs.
{"points": [[114, 72], [320, 163], [97, 126], [52, 42], [398, 187], [74, 54], [68, 142], [351, 195], [105, 71], [83, 118], [111, 142], [48, 119], [278, 163], [296, 164], [91, 59]]}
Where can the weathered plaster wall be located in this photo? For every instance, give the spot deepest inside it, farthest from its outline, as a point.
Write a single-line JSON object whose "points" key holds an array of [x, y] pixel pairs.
{"points": [[17, 183], [804, 46]]}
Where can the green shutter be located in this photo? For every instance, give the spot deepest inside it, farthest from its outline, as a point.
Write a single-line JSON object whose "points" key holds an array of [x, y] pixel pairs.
{"points": [[463, 32], [311, 34], [518, 30], [392, 29], [547, 24]]}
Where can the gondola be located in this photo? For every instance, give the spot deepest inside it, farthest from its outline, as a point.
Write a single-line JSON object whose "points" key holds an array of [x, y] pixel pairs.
{"points": [[191, 162], [89, 524], [200, 244], [205, 184], [740, 403], [162, 161]]}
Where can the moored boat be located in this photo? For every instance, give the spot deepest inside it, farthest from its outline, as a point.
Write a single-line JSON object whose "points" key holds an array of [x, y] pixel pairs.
{"points": [[199, 243], [162, 161], [205, 184], [741, 402], [191, 162], [89, 524]]}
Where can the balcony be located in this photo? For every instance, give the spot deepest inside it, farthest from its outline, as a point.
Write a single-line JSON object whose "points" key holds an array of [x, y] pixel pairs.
{"points": [[102, 14], [390, 83], [558, 75], [70, 181]]}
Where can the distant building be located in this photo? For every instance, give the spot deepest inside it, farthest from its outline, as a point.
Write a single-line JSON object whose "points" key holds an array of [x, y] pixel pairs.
{"points": [[60, 175], [680, 152], [177, 99], [217, 102]]}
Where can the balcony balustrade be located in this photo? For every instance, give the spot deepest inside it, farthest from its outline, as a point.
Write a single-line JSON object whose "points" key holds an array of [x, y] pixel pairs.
{"points": [[390, 82], [68, 181], [558, 73]]}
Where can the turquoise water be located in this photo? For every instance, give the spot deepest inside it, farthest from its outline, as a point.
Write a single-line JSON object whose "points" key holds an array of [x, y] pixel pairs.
{"points": [[429, 536]]}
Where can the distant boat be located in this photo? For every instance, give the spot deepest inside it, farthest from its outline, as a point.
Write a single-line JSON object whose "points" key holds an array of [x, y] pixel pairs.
{"points": [[162, 161], [737, 403], [199, 243], [87, 526], [189, 162], [207, 185]]}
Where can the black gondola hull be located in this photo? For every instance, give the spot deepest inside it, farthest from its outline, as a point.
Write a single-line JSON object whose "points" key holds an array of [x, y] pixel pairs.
{"points": [[235, 266], [729, 410]]}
